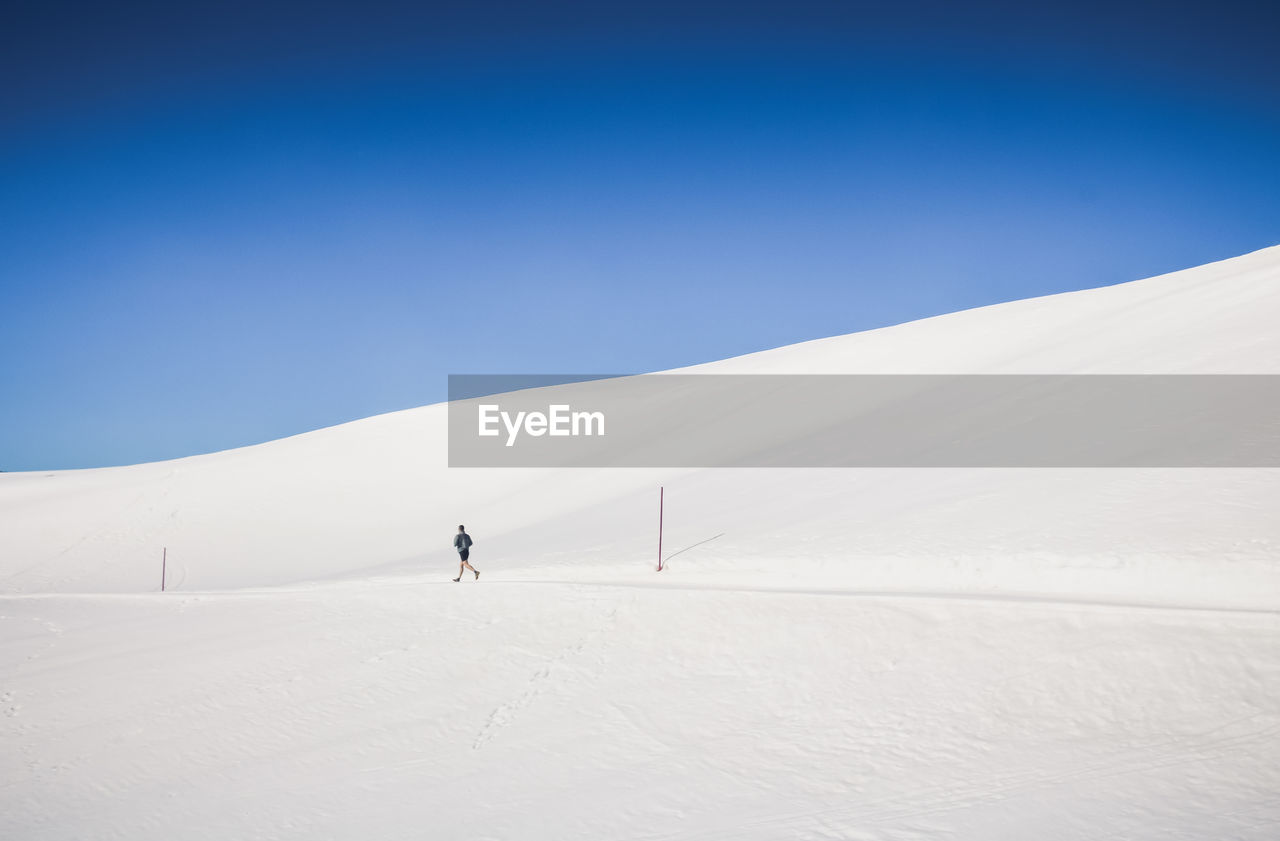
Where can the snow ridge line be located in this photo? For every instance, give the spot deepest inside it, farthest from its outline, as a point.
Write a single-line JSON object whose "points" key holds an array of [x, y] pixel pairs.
{"points": [[887, 595], [940, 595]]}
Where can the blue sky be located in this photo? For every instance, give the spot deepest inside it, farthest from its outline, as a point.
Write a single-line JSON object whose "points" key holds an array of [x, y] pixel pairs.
{"points": [[222, 223]]}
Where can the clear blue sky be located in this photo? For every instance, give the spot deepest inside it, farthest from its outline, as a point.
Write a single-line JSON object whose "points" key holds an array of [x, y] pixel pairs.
{"points": [[223, 223]]}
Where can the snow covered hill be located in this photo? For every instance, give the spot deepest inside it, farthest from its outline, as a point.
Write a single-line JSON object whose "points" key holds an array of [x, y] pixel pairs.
{"points": [[375, 495], [884, 654]]}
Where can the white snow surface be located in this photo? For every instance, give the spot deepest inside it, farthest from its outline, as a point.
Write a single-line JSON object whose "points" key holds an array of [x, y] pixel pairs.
{"points": [[830, 654]]}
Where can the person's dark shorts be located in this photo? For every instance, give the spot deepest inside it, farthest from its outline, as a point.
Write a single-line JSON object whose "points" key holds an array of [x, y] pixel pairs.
{"points": [[464, 554]]}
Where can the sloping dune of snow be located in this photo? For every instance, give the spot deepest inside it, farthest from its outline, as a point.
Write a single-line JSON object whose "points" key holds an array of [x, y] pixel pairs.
{"points": [[878, 654]]}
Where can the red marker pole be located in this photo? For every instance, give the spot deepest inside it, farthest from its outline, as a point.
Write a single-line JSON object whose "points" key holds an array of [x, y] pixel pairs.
{"points": [[659, 528], [164, 564]]}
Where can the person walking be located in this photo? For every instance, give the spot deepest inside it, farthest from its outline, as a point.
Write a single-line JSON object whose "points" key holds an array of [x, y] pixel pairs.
{"points": [[462, 542]]}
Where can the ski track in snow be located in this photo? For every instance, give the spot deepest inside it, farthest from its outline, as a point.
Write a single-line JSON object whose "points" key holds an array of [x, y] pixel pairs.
{"points": [[560, 667], [781, 589]]}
